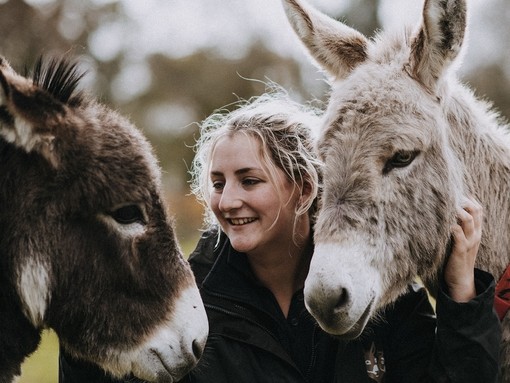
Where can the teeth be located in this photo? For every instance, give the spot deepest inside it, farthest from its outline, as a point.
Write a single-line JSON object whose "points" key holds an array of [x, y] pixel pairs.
{"points": [[241, 221]]}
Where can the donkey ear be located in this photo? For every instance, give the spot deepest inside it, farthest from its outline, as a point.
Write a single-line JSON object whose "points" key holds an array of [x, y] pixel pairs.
{"points": [[439, 40], [336, 47], [16, 128]]}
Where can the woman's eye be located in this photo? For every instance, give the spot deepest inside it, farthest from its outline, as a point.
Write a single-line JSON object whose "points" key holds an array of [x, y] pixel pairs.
{"points": [[400, 160], [128, 214], [217, 185], [250, 181]]}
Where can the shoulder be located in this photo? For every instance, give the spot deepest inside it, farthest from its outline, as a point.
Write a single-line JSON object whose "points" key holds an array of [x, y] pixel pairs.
{"points": [[411, 313], [414, 301]]}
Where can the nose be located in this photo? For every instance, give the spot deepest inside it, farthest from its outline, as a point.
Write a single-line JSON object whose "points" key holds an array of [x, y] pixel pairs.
{"points": [[230, 198], [326, 303]]}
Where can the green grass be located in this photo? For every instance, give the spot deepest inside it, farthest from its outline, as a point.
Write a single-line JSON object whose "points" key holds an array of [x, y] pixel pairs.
{"points": [[42, 365]]}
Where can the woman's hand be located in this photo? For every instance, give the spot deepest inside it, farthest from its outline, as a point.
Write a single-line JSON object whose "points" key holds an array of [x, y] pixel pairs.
{"points": [[467, 233]]}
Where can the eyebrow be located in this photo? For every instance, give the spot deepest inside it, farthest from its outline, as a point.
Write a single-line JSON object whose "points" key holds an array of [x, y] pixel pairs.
{"points": [[237, 172]]}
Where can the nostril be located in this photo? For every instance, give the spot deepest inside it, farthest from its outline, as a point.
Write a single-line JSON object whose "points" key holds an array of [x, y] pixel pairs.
{"points": [[343, 299], [197, 348]]}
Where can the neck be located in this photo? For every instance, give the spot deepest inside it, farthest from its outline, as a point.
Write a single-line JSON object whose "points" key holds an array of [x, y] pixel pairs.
{"points": [[284, 272], [477, 138]]}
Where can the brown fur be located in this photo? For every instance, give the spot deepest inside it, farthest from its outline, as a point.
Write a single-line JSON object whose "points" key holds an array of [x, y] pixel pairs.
{"points": [[87, 247]]}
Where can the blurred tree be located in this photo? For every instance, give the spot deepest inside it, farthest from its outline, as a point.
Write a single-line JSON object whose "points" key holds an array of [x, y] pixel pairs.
{"points": [[362, 15], [58, 26], [492, 84], [26, 32], [201, 83]]}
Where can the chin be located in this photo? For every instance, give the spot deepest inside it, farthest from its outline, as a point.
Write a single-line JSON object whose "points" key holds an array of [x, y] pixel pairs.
{"points": [[240, 244], [241, 247]]}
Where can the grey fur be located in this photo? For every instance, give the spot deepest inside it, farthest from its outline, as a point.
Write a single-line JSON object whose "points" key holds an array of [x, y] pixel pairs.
{"points": [[402, 102]]}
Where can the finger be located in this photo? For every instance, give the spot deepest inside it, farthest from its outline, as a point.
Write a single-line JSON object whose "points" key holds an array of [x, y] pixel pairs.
{"points": [[459, 239], [473, 207], [466, 222]]}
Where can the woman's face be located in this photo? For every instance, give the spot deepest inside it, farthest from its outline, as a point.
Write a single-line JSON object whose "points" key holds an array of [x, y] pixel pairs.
{"points": [[256, 214]]}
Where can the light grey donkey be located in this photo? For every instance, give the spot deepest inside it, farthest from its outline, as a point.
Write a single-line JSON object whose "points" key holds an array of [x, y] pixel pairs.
{"points": [[403, 142]]}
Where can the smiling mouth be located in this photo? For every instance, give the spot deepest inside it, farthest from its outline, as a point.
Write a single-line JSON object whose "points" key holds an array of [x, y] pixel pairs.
{"points": [[240, 221]]}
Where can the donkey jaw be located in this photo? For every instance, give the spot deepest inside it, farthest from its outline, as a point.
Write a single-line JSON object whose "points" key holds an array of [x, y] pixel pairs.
{"points": [[340, 291], [172, 350]]}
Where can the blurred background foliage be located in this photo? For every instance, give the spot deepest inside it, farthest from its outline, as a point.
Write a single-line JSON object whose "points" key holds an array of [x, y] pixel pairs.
{"points": [[166, 91]]}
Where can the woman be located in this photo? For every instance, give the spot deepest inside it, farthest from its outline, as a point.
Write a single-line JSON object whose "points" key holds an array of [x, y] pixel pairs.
{"points": [[257, 175]]}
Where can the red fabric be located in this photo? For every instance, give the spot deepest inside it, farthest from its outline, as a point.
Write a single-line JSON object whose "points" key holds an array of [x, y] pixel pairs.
{"points": [[502, 297]]}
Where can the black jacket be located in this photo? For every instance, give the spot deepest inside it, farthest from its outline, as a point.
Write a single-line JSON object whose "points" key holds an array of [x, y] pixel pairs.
{"points": [[249, 343], [245, 345]]}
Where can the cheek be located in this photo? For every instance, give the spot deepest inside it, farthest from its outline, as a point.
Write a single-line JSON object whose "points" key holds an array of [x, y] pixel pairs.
{"points": [[214, 201], [282, 212], [270, 203]]}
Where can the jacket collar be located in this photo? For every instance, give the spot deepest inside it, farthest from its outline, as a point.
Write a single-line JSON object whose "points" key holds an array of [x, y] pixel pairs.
{"points": [[231, 275]]}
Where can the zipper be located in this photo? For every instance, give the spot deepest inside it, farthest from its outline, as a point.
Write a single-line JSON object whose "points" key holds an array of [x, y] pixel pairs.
{"points": [[314, 353]]}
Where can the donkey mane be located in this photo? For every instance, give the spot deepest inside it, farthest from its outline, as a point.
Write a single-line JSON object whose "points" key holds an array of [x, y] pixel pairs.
{"points": [[60, 77]]}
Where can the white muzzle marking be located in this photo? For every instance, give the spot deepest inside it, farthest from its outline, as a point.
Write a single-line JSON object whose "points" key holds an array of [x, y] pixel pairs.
{"points": [[172, 350], [342, 288]]}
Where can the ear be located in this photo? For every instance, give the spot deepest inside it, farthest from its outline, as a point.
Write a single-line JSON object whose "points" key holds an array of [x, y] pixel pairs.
{"points": [[308, 194], [336, 47], [17, 109], [439, 40], [306, 191]]}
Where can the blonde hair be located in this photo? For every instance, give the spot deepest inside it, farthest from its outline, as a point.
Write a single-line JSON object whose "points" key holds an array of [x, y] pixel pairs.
{"points": [[284, 129]]}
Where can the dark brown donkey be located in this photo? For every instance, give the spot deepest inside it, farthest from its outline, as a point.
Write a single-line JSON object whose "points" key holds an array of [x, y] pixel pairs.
{"points": [[87, 247]]}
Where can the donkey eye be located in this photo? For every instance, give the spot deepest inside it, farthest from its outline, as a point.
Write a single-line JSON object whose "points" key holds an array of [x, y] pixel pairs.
{"points": [[400, 160], [128, 214], [403, 158]]}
